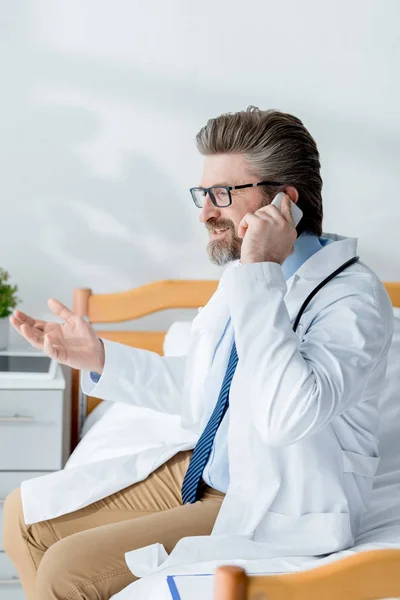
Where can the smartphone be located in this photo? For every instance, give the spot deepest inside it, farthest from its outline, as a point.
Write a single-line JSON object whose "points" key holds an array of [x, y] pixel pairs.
{"points": [[297, 213]]}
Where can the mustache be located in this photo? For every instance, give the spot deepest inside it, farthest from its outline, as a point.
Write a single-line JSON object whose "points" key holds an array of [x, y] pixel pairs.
{"points": [[221, 224]]}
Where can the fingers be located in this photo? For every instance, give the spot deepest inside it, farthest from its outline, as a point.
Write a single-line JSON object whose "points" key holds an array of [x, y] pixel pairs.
{"points": [[60, 310], [18, 318], [286, 210], [267, 216], [276, 214], [268, 213], [33, 335], [15, 322], [34, 330], [245, 222], [24, 318]]}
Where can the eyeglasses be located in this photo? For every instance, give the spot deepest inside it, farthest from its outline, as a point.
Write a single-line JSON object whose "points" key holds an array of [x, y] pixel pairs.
{"points": [[220, 195]]}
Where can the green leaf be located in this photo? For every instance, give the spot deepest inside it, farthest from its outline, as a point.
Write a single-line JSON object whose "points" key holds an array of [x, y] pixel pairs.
{"points": [[8, 295]]}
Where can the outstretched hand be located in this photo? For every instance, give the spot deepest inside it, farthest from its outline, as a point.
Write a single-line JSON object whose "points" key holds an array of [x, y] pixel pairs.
{"points": [[73, 343]]}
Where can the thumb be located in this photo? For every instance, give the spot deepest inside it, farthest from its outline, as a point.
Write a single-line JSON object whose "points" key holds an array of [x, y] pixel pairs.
{"points": [[60, 309], [286, 210], [243, 227]]}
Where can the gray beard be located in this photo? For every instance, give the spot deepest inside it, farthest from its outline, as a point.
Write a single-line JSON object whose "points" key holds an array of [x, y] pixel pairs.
{"points": [[220, 252]]}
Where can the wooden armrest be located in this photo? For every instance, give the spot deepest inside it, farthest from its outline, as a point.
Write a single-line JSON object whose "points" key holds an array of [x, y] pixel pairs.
{"points": [[364, 576]]}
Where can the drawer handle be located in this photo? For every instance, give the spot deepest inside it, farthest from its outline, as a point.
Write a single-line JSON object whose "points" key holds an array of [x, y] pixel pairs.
{"points": [[11, 581], [17, 419]]}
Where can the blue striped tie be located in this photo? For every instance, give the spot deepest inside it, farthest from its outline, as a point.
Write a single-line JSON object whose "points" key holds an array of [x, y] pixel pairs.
{"points": [[202, 450]]}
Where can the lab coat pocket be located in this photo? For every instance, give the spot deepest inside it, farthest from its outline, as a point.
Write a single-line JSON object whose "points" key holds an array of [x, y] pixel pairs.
{"points": [[314, 533], [360, 464]]}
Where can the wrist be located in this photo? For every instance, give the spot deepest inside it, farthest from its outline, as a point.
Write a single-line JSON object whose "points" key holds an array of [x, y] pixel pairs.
{"points": [[98, 363]]}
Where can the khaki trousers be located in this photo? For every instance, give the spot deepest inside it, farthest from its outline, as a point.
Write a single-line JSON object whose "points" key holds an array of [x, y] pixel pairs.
{"points": [[80, 556]]}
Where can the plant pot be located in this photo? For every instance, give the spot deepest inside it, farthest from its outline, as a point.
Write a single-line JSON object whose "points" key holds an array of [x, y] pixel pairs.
{"points": [[4, 332]]}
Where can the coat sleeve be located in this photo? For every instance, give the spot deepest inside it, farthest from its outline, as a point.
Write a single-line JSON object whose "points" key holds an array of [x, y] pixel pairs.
{"points": [[298, 387], [139, 377]]}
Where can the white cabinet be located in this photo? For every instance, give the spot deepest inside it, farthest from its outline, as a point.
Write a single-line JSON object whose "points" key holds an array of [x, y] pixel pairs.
{"points": [[10, 588], [35, 424]]}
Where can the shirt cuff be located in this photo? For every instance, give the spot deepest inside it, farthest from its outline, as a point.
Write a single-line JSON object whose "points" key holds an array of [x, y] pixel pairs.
{"points": [[94, 376]]}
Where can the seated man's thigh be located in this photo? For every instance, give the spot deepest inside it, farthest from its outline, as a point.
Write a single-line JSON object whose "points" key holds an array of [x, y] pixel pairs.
{"points": [[90, 565]]}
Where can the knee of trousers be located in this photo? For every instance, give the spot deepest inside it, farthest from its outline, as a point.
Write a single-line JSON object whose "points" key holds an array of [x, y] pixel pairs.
{"points": [[14, 524], [61, 572]]}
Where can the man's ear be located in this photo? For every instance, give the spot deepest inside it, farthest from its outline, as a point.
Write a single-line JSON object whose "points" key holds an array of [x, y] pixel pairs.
{"points": [[292, 193]]}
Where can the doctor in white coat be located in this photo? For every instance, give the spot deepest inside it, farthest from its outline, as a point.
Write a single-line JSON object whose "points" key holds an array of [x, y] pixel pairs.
{"points": [[279, 398]]}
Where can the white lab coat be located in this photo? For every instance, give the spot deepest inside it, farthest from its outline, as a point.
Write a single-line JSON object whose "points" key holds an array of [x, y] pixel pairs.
{"points": [[303, 412]]}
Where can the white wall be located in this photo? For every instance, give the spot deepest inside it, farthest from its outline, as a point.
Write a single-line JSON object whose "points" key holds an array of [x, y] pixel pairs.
{"points": [[101, 100]]}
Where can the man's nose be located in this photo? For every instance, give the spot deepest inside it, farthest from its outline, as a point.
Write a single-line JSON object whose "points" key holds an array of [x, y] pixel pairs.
{"points": [[209, 210]]}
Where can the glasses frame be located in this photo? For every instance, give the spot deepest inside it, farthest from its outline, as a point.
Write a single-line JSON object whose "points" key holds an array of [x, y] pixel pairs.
{"points": [[228, 188]]}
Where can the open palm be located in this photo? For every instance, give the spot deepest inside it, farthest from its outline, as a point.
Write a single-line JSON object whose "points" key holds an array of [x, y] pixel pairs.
{"points": [[73, 343]]}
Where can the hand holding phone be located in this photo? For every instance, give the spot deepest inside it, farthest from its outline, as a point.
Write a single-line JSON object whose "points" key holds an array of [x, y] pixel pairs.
{"points": [[266, 240], [297, 213]]}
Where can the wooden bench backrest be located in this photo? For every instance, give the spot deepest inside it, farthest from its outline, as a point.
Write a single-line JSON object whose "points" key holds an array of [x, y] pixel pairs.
{"points": [[130, 305], [139, 302]]}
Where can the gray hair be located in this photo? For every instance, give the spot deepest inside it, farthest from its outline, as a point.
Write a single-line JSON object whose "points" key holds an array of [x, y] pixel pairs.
{"points": [[278, 148]]}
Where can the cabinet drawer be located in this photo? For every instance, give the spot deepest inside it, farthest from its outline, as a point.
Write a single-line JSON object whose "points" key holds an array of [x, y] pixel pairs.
{"points": [[8, 482], [10, 587], [31, 430]]}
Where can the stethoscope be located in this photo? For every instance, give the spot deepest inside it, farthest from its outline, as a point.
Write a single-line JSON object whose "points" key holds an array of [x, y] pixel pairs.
{"points": [[321, 285]]}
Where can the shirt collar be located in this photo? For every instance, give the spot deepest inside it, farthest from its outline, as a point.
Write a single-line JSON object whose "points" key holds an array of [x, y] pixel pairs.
{"points": [[336, 250], [305, 246]]}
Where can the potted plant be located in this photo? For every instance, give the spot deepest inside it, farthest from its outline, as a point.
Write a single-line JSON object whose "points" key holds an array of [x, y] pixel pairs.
{"points": [[8, 301]]}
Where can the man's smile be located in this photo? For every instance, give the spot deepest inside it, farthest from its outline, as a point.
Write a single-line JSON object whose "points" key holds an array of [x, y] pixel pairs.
{"points": [[217, 233]]}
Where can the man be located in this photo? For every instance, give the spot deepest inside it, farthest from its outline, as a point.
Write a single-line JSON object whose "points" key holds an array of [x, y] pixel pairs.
{"points": [[282, 412]]}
